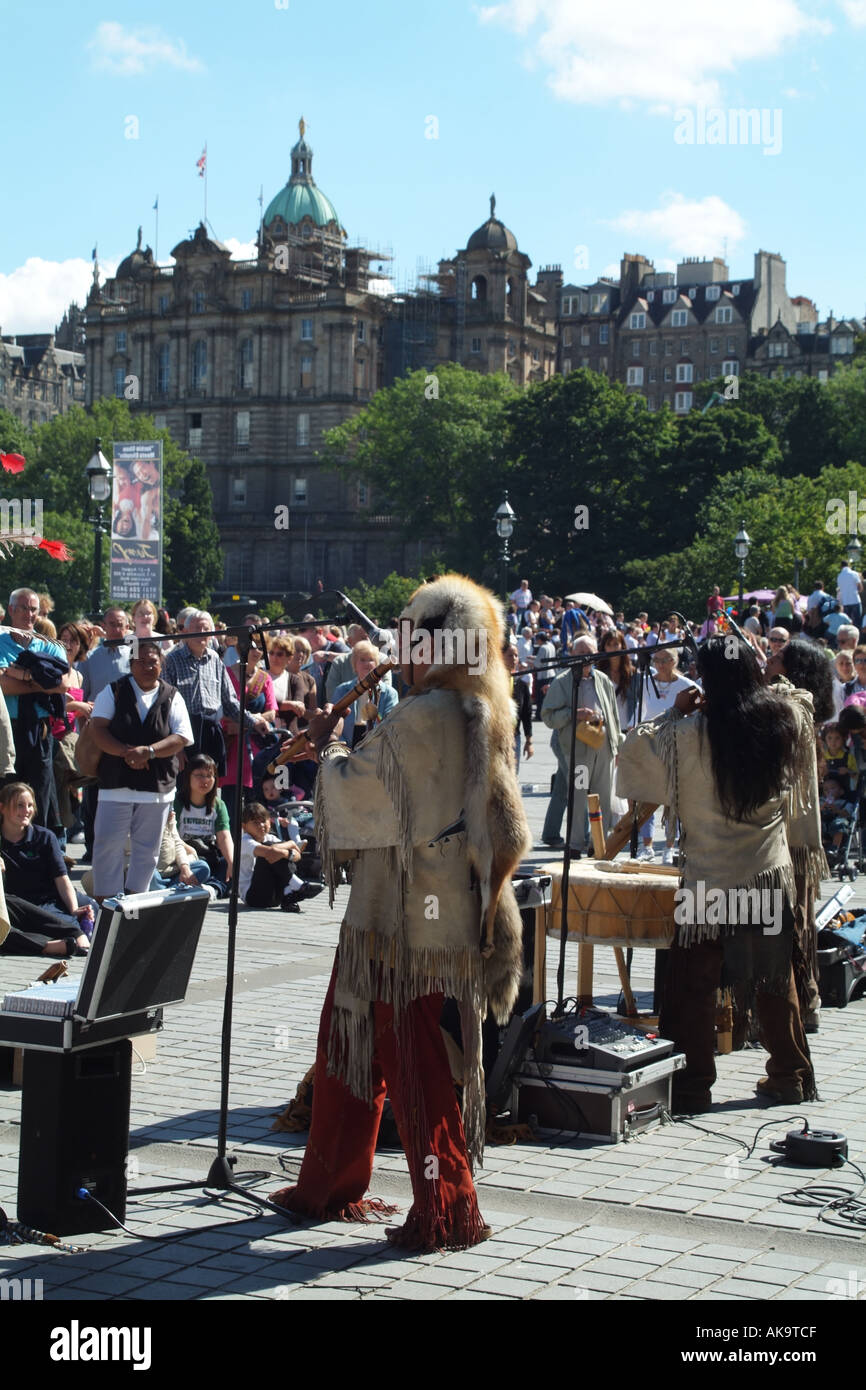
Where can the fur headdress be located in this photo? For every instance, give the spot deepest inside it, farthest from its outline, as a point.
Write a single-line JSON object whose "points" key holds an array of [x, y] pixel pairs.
{"points": [[466, 626]]}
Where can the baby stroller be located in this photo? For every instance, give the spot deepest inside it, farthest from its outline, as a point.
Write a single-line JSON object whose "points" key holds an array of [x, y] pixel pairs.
{"points": [[310, 863], [839, 857]]}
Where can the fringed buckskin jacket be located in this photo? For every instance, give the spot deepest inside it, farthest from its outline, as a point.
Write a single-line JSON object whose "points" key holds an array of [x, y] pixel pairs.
{"points": [[667, 760], [413, 921]]}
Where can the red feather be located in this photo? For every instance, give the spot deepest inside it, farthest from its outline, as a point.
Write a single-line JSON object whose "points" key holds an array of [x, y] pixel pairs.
{"points": [[56, 549], [13, 463]]}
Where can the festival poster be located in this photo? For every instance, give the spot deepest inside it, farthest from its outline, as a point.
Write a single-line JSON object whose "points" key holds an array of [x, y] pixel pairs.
{"points": [[136, 522]]}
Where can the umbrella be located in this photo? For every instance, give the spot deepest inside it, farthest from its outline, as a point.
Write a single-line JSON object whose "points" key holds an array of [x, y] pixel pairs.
{"points": [[592, 601]]}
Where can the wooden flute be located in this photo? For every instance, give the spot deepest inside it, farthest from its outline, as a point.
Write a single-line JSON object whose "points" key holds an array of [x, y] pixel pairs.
{"points": [[302, 741]]}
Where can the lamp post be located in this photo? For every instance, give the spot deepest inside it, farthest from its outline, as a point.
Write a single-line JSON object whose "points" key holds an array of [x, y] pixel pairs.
{"points": [[99, 475], [855, 550], [798, 566], [505, 518], [742, 546]]}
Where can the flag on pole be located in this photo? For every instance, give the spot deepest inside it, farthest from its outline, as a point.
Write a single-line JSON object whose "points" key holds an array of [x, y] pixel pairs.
{"points": [[93, 254], [201, 163], [156, 204]]}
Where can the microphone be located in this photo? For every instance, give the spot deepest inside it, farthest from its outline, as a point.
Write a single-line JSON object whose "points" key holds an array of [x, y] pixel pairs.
{"points": [[366, 623]]}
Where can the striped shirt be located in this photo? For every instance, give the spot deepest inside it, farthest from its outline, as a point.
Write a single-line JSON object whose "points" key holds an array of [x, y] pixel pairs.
{"points": [[204, 684]]}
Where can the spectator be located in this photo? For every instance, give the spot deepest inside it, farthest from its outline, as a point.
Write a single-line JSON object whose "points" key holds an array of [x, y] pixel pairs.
{"points": [[849, 587], [838, 759], [526, 657], [596, 697], [29, 709], [365, 712], [835, 619], [102, 665], [144, 616], [266, 876], [573, 625], [715, 606], [522, 597], [522, 704], [231, 652], [837, 811], [670, 682], [75, 641], [197, 673], [34, 866], [141, 724], [843, 676], [545, 653], [280, 649], [202, 818], [847, 637], [177, 863], [323, 651], [261, 704]]}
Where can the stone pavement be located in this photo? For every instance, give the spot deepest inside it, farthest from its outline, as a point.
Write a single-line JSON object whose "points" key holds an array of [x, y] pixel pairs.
{"points": [[676, 1214]]}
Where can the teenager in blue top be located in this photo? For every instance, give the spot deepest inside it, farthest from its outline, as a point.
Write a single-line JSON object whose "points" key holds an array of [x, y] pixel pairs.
{"points": [[364, 711], [34, 750], [34, 866]]}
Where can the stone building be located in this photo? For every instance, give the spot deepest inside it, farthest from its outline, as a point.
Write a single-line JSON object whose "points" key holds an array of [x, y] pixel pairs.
{"points": [[249, 363], [38, 378], [661, 332]]}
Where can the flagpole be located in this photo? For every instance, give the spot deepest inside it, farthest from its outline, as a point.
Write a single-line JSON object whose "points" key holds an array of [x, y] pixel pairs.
{"points": [[156, 237], [205, 183]]}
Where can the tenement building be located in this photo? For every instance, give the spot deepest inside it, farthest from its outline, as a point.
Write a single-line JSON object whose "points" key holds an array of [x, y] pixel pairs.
{"points": [[39, 378], [249, 363], [660, 332]]}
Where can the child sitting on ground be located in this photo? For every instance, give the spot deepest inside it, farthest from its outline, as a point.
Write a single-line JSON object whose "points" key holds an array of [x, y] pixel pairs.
{"points": [[267, 876]]}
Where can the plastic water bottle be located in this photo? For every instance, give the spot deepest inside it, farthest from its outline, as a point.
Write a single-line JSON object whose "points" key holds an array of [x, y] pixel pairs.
{"points": [[87, 923]]}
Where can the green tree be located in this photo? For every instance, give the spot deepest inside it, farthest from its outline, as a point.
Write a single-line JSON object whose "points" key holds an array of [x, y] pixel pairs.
{"points": [[581, 442], [386, 600], [430, 448], [57, 454]]}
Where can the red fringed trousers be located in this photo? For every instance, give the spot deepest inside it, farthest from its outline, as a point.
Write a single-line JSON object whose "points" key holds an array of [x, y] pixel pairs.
{"points": [[410, 1065]]}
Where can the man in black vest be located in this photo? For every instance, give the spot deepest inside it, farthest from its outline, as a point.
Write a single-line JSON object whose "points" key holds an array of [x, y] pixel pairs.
{"points": [[141, 724]]}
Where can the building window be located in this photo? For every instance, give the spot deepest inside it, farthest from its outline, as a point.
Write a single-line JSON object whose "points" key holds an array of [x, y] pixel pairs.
{"points": [[159, 422], [362, 332], [198, 373], [823, 374], [635, 347], [634, 376], [669, 347], [306, 373], [120, 341], [198, 301], [163, 370], [476, 344], [566, 366], [653, 373], [242, 429], [713, 292], [778, 349], [536, 356], [839, 346], [735, 289], [724, 314], [163, 303], [119, 382], [363, 494], [509, 347], [566, 337], [679, 318], [306, 330], [653, 348], [684, 347], [302, 430], [637, 321], [730, 368], [651, 403], [597, 303], [195, 430], [650, 296], [478, 290], [239, 492], [683, 400], [246, 299], [245, 365], [299, 492], [669, 297], [714, 345], [602, 364], [685, 371], [668, 374], [732, 345], [584, 337], [584, 361], [603, 333]]}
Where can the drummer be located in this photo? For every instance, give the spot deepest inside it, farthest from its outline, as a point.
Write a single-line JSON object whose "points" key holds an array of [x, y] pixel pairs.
{"points": [[593, 767]]}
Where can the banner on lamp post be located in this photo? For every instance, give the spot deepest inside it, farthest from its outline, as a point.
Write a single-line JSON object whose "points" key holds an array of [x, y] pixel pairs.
{"points": [[136, 522]]}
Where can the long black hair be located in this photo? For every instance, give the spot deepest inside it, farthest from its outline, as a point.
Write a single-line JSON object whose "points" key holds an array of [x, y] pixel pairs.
{"points": [[196, 762], [752, 730], [807, 667]]}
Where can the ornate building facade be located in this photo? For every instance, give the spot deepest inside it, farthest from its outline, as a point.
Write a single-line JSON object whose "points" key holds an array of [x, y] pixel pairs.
{"points": [[249, 363]]}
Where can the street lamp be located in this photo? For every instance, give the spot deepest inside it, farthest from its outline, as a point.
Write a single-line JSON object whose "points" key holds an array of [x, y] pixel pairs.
{"points": [[505, 518], [742, 546], [855, 550], [99, 475]]}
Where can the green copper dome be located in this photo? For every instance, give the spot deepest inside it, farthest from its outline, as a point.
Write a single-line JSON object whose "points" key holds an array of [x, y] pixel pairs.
{"points": [[301, 198]]}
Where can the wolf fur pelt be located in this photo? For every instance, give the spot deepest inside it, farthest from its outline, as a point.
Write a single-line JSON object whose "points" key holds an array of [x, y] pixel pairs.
{"points": [[497, 833]]}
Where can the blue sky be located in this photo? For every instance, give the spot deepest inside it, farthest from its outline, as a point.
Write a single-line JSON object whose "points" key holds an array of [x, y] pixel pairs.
{"points": [[566, 109]]}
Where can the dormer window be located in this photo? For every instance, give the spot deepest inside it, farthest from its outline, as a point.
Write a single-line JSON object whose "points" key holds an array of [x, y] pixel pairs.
{"points": [[713, 292]]}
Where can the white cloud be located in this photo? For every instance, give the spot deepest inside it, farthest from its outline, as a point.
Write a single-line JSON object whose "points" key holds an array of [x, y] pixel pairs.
{"points": [[856, 12], [34, 296], [631, 52], [128, 52], [241, 250], [687, 227]]}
